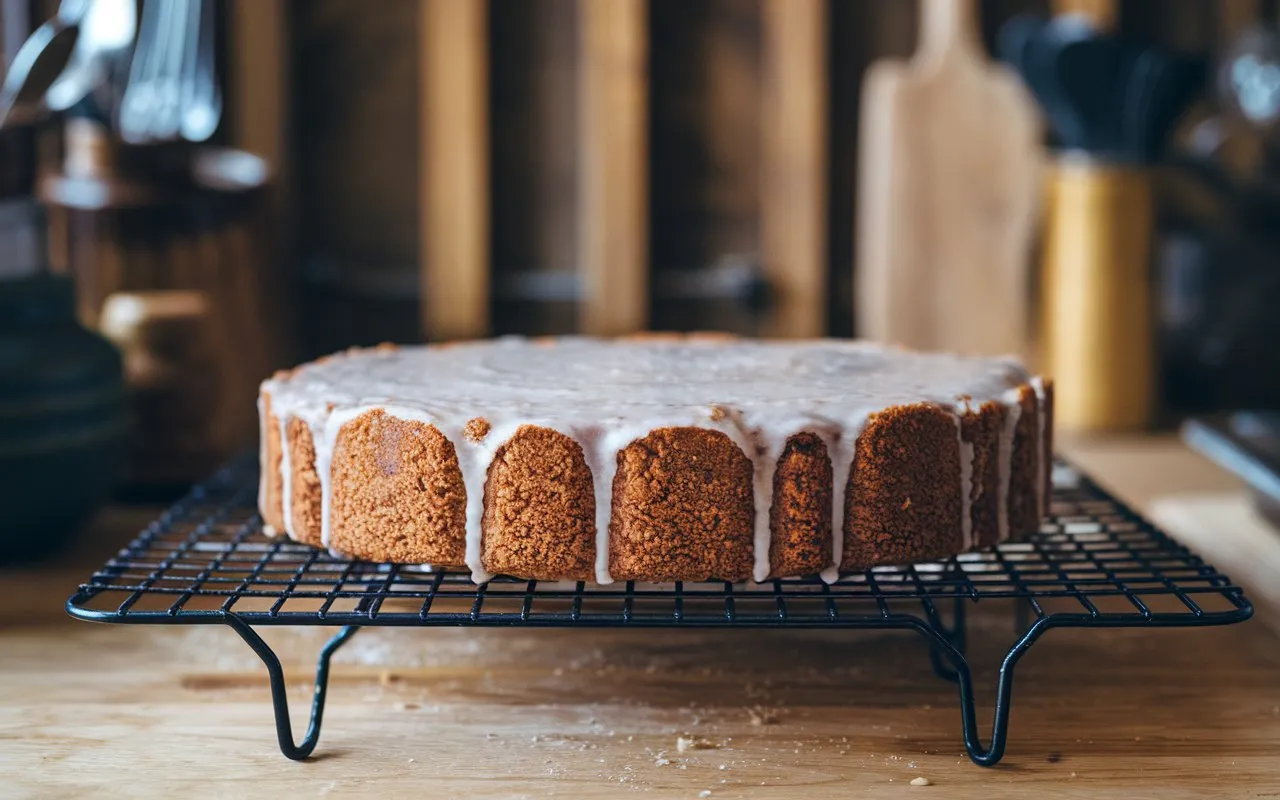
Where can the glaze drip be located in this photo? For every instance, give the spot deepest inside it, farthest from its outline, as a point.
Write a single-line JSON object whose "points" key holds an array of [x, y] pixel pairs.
{"points": [[966, 478], [286, 479], [1004, 461]]}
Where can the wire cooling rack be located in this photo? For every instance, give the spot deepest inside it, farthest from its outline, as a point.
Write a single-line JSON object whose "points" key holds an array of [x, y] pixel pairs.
{"points": [[1094, 563]]}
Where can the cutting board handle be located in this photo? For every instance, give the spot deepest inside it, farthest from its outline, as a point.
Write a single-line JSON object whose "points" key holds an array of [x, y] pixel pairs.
{"points": [[947, 27]]}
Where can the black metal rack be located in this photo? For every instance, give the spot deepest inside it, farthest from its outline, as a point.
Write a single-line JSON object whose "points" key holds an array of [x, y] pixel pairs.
{"points": [[1094, 563]]}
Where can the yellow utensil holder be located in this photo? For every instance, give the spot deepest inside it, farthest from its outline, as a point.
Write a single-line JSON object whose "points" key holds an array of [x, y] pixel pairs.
{"points": [[1098, 330]]}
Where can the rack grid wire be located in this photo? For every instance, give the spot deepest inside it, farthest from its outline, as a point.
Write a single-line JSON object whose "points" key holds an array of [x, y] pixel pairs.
{"points": [[1094, 563]]}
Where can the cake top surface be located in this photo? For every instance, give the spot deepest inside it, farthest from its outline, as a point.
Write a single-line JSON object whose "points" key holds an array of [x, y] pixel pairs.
{"points": [[572, 382]]}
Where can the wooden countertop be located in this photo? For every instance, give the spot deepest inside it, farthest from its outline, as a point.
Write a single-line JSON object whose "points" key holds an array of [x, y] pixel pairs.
{"points": [[92, 709]]}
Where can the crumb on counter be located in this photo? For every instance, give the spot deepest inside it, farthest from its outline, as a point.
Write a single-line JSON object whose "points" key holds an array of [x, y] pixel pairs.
{"points": [[687, 743]]}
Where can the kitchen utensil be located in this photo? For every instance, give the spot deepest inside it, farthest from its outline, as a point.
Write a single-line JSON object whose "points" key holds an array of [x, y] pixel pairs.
{"points": [[1137, 101], [106, 34], [166, 123], [1103, 94], [151, 107], [1085, 67], [202, 99], [38, 63], [1045, 77], [949, 184], [173, 88], [1015, 39], [134, 119], [1171, 83]]}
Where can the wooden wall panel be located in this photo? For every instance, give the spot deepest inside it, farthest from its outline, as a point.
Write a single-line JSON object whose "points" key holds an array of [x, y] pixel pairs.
{"points": [[613, 238], [860, 33], [694, 147], [706, 130], [534, 185], [454, 172], [706, 145], [357, 143], [260, 77], [793, 185]]}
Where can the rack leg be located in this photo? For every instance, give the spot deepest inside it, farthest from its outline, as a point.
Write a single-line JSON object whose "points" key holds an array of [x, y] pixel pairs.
{"points": [[279, 699], [956, 635], [990, 755]]}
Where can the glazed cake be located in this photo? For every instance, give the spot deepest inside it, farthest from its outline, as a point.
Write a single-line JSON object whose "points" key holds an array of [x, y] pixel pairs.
{"points": [[654, 459]]}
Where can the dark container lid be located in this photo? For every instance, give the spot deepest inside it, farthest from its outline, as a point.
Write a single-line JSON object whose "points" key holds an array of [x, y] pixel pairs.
{"points": [[44, 352]]}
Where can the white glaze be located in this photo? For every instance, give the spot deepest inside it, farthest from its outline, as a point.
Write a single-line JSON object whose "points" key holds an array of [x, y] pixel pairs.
{"points": [[606, 395], [842, 445], [286, 479], [1042, 460], [1004, 461], [966, 478], [603, 467], [265, 468]]}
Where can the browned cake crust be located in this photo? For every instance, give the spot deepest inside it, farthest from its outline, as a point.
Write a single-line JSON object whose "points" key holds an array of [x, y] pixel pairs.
{"points": [[903, 498], [682, 508], [800, 516], [397, 493], [304, 483], [683, 504], [1023, 514], [539, 515]]}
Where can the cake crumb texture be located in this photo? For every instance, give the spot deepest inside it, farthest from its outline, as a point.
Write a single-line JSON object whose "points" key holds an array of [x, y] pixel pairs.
{"points": [[304, 483], [904, 453], [1024, 460], [682, 508], [397, 492], [539, 518], [800, 516]]}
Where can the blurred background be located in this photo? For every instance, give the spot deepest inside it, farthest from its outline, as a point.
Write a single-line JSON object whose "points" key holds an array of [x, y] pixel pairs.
{"points": [[195, 193], [233, 186]]}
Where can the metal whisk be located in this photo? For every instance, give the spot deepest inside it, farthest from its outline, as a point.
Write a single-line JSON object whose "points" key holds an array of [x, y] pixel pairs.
{"points": [[172, 90]]}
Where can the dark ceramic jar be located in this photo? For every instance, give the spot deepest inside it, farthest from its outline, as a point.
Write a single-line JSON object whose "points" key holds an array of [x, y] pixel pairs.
{"points": [[63, 417]]}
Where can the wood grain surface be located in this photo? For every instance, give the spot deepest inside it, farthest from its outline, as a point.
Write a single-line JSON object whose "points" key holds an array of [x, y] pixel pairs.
{"points": [[91, 710], [613, 249], [793, 165], [454, 168], [949, 183]]}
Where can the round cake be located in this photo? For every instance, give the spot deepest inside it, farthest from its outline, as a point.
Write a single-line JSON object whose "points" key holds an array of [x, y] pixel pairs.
{"points": [[658, 458]]}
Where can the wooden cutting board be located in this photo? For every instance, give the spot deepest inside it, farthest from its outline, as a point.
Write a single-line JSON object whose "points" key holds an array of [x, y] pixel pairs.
{"points": [[949, 186]]}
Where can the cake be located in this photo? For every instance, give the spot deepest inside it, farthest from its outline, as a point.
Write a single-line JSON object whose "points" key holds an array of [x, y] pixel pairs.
{"points": [[656, 458]]}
